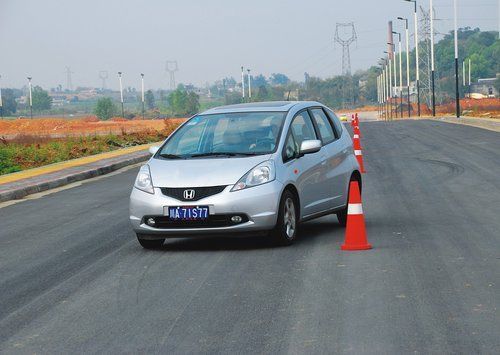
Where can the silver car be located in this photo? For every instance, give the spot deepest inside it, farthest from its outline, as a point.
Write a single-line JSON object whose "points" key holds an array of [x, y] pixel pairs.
{"points": [[246, 169]]}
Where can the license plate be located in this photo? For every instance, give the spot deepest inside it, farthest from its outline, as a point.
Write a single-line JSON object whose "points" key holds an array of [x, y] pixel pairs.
{"points": [[188, 213]]}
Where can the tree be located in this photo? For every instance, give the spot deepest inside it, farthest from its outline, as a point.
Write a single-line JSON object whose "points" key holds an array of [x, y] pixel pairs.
{"points": [[105, 108], [9, 103], [149, 99], [41, 99], [279, 79], [183, 103], [259, 80]]}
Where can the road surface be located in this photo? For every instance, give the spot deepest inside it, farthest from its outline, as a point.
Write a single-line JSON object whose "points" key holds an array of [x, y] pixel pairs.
{"points": [[73, 278]]}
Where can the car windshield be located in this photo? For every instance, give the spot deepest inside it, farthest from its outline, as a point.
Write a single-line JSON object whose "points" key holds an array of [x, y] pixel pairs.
{"points": [[225, 135]]}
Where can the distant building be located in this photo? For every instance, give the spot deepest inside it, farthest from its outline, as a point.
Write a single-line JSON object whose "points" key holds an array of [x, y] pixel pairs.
{"points": [[484, 88]]}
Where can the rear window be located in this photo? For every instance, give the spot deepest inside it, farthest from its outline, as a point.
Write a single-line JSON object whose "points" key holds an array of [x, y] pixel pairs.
{"points": [[336, 123]]}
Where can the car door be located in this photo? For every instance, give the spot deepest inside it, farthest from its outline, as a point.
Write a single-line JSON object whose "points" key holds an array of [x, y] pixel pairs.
{"points": [[308, 169], [336, 152]]}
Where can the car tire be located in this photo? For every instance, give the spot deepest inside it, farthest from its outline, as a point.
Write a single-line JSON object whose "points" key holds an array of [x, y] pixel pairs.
{"points": [[342, 216], [150, 243], [286, 230]]}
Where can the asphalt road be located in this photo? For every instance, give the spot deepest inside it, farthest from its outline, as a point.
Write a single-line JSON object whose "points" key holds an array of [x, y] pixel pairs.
{"points": [[73, 278]]}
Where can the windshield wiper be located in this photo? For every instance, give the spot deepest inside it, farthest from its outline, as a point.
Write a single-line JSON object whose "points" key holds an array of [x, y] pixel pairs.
{"points": [[223, 154], [171, 156]]}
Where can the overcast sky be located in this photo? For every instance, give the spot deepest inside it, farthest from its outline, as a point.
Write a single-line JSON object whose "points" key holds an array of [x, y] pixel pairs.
{"points": [[209, 39]]}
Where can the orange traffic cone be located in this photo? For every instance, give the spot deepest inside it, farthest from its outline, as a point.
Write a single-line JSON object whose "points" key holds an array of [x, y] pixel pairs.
{"points": [[355, 232], [359, 157], [353, 121], [356, 142]]}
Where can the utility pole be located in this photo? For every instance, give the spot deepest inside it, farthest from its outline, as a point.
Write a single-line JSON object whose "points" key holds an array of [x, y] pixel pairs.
{"points": [[30, 96], [457, 92], [243, 83], [431, 11], [142, 91], [249, 86], [121, 92]]}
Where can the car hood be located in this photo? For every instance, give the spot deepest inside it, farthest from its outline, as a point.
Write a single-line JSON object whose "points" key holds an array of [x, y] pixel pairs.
{"points": [[201, 172]]}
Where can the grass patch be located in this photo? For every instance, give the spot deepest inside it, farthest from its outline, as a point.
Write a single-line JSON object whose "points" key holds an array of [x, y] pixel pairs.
{"points": [[31, 151]]}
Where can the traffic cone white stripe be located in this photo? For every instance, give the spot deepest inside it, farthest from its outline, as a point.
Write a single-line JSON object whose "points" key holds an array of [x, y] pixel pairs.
{"points": [[356, 136], [355, 208], [358, 152]]}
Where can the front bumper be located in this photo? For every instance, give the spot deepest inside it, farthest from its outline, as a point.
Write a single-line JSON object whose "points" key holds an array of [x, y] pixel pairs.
{"points": [[259, 203]]}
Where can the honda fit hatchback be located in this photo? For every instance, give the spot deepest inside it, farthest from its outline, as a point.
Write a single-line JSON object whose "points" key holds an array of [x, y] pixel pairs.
{"points": [[246, 169]]}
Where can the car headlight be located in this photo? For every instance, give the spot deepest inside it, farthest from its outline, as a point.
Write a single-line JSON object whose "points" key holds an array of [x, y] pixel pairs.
{"points": [[261, 174], [143, 180]]}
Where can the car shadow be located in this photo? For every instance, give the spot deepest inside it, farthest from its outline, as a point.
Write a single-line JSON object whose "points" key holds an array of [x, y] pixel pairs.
{"points": [[310, 232]]}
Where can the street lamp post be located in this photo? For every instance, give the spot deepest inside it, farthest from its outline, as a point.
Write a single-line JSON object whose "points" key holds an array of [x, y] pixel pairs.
{"points": [[249, 86], [142, 90], [389, 82], [121, 92], [395, 78], [30, 97], [400, 55], [469, 77], [242, 83], [417, 73], [1, 102], [394, 74], [384, 90], [407, 35], [431, 11], [457, 92]]}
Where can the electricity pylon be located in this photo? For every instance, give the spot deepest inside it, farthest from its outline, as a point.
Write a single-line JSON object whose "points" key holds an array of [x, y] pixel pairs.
{"points": [[347, 92], [171, 67], [103, 75], [69, 83]]}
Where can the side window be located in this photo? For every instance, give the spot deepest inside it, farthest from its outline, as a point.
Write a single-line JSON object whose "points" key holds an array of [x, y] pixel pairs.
{"points": [[291, 148], [336, 123], [301, 129], [324, 125]]}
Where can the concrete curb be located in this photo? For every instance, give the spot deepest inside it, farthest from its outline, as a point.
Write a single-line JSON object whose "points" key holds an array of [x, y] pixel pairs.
{"points": [[22, 188]]}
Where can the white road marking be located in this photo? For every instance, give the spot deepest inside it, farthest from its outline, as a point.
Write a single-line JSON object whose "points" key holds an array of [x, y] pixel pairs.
{"points": [[38, 195]]}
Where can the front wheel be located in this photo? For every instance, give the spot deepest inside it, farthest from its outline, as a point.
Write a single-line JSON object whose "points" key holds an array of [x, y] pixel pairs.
{"points": [[286, 228], [150, 243]]}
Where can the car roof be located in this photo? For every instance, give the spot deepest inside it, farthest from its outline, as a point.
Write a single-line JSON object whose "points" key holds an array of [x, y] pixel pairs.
{"points": [[273, 106]]}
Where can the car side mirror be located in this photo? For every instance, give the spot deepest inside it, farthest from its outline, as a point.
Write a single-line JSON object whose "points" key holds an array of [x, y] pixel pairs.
{"points": [[310, 146], [153, 149]]}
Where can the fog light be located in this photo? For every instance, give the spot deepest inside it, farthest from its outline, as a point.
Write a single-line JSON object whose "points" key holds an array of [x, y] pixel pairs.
{"points": [[236, 219], [150, 222]]}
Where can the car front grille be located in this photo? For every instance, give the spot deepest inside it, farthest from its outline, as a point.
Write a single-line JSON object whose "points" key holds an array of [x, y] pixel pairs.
{"points": [[213, 221], [199, 192]]}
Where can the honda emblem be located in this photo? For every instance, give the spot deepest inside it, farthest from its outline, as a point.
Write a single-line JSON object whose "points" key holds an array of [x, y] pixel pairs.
{"points": [[189, 194]]}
